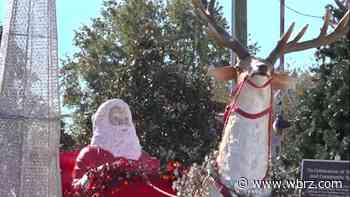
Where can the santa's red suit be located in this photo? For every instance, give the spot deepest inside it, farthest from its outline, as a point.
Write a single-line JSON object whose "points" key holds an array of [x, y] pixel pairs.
{"points": [[90, 157]]}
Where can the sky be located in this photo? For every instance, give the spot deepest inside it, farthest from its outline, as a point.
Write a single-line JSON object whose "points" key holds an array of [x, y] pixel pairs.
{"points": [[263, 23]]}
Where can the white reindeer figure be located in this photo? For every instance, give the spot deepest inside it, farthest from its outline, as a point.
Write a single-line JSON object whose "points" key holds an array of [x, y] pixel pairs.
{"points": [[244, 152]]}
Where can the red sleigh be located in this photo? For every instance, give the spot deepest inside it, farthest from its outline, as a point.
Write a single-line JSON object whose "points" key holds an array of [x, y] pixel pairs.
{"points": [[156, 187]]}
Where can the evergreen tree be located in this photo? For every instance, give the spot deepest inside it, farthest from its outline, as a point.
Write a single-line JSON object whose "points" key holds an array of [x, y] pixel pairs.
{"points": [[321, 126], [153, 56]]}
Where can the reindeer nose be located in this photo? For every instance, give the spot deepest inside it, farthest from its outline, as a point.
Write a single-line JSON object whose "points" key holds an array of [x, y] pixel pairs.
{"points": [[262, 69]]}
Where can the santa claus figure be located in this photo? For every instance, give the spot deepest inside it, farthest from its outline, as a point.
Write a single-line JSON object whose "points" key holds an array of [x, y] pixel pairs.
{"points": [[114, 138]]}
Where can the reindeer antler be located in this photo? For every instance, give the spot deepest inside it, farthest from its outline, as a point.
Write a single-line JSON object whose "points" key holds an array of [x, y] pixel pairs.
{"points": [[219, 34], [284, 46]]}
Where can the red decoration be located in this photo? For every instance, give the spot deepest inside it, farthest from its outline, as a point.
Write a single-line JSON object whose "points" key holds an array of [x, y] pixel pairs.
{"points": [[122, 177]]}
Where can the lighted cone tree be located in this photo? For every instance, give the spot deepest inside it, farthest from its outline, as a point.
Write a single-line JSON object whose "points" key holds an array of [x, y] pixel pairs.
{"points": [[29, 101]]}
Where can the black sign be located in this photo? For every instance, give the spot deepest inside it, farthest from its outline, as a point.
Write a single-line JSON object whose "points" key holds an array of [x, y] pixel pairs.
{"points": [[325, 178]]}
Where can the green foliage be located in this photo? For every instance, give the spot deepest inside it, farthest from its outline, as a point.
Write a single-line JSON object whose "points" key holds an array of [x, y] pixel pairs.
{"points": [[67, 141], [153, 56], [321, 122]]}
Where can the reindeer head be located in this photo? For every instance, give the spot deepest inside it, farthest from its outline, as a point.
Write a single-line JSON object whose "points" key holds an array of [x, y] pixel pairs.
{"points": [[255, 68]]}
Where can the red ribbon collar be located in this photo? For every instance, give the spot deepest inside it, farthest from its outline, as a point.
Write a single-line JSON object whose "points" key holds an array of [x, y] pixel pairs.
{"points": [[268, 82], [233, 107]]}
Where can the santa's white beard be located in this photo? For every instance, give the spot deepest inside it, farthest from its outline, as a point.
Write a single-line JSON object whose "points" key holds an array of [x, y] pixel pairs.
{"points": [[121, 142]]}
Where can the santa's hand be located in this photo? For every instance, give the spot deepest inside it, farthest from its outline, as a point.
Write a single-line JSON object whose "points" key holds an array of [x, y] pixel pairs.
{"points": [[81, 183]]}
